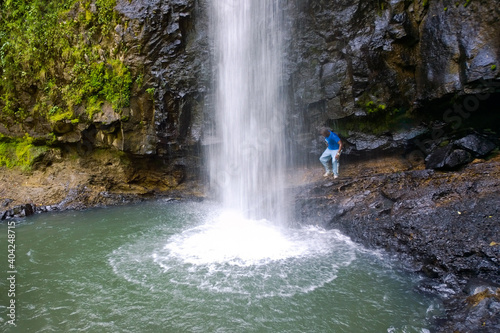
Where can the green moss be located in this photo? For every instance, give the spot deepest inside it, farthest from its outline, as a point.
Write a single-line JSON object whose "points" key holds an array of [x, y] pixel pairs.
{"points": [[493, 67], [102, 81], [139, 80], [371, 107], [57, 114], [444, 143], [151, 92], [54, 46], [19, 152]]}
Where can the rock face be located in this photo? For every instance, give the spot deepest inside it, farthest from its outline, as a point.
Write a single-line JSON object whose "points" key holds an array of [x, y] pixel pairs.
{"points": [[171, 36], [444, 225], [99, 178], [371, 61], [354, 65]]}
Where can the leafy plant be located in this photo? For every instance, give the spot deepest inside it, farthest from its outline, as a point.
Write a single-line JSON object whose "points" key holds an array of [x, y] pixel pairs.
{"points": [[151, 92]]}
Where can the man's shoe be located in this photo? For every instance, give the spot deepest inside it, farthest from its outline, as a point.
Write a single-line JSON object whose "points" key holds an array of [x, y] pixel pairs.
{"points": [[328, 173], [335, 176]]}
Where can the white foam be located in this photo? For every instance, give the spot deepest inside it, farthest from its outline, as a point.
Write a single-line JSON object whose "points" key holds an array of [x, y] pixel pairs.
{"points": [[231, 238]]}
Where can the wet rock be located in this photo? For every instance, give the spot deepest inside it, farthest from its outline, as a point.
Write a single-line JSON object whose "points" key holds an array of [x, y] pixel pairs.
{"points": [[355, 50], [447, 158], [62, 127], [18, 211], [482, 305], [459, 152], [478, 145], [6, 202], [368, 142]]}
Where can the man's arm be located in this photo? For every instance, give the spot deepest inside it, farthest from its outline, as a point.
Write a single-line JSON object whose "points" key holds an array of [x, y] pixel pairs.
{"points": [[340, 149]]}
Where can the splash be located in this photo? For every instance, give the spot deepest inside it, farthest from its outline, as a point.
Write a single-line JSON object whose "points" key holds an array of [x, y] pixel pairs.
{"points": [[233, 239]]}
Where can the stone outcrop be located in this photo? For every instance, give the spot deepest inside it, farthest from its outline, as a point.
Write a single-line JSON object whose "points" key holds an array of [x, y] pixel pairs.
{"points": [[172, 46], [17, 211]]}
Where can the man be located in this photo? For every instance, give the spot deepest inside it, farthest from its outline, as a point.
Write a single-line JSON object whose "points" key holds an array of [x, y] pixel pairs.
{"points": [[333, 150]]}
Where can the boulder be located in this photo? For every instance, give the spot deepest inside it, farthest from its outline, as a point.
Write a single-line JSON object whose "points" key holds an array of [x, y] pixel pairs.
{"points": [[447, 158], [477, 145], [459, 152]]}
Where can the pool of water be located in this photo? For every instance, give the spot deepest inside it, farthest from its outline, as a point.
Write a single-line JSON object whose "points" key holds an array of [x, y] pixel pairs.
{"points": [[190, 267]]}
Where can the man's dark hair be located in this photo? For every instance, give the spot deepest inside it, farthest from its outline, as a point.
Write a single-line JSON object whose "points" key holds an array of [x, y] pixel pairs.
{"points": [[324, 131]]}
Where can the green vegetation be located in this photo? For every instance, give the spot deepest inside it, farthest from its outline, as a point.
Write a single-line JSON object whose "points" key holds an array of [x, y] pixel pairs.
{"points": [[466, 4], [52, 56], [379, 118], [151, 92], [376, 124], [493, 67], [381, 5], [19, 152], [371, 107]]}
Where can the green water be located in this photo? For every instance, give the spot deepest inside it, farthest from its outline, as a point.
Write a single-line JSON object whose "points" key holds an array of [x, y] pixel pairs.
{"points": [[187, 267]]}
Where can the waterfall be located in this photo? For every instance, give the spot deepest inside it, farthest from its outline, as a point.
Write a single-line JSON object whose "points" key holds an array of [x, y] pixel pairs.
{"points": [[247, 166]]}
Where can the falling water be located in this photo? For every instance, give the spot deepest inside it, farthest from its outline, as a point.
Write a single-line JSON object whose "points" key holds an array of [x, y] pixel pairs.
{"points": [[247, 167]]}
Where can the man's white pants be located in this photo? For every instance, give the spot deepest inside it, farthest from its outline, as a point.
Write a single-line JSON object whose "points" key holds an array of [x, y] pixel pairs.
{"points": [[325, 158]]}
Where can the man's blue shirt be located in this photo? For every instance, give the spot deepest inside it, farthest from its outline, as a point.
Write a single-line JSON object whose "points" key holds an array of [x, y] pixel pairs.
{"points": [[333, 141]]}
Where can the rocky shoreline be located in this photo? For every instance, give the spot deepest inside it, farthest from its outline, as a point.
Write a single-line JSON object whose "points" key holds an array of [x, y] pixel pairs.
{"points": [[443, 225], [101, 178]]}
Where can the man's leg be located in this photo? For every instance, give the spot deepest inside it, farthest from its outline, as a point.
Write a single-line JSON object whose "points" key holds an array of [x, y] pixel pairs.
{"points": [[324, 159], [335, 164]]}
